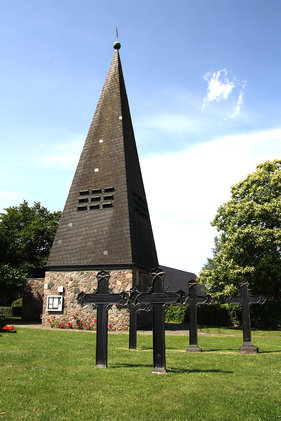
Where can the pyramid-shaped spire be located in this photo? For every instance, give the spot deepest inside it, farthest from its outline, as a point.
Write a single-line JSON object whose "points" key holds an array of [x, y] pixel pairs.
{"points": [[106, 221]]}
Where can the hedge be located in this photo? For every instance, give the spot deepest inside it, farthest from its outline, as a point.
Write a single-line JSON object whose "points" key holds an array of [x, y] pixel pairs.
{"points": [[267, 316]]}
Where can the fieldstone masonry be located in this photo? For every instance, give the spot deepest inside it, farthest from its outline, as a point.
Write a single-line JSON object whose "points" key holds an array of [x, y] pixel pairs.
{"points": [[75, 282]]}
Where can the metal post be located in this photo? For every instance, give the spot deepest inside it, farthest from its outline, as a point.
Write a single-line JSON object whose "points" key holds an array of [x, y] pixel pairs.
{"points": [[133, 328], [193, 300], [101, 299], [156, 297], [159, 357], [102, 336], [245, 300]]}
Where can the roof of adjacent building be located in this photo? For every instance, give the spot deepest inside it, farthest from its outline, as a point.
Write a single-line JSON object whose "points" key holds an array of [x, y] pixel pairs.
{"points": [[106, 220], [177, 280]]}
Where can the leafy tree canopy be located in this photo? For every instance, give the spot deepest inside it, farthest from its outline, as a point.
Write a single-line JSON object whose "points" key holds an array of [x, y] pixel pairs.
{"points": [[248, 247], [12, 283], [26, 236]]}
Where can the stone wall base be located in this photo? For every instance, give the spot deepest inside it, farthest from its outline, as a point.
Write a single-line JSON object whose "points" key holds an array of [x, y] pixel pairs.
{"points": [[72, 314]]}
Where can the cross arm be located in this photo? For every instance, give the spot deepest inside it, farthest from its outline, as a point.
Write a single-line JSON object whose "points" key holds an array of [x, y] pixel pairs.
{"points": [[97, 298], [198, 300], [234, 300], [158, 298], [257, 299]]}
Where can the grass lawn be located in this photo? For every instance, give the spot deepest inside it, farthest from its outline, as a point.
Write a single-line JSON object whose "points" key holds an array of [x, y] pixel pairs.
{"points": [[51, 375]]}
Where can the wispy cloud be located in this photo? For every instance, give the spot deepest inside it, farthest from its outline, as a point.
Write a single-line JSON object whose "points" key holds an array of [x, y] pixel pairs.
{"points": [[223, 86], [238, 105], [219, 86]]}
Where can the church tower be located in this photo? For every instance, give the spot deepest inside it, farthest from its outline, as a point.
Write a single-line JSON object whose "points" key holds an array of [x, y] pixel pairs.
{"points": [[105, 223]]}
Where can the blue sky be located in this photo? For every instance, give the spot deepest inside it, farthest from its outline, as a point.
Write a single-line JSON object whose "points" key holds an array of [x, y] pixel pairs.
{"points": [[203, 81]]}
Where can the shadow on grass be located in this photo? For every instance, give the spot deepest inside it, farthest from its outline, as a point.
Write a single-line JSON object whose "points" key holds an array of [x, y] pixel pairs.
{"points": [[146, 348], [143, 348], [171, 369], [236, 351], [126, 365], [186, 370], [8, 331], [206, 350], [219, 349]]}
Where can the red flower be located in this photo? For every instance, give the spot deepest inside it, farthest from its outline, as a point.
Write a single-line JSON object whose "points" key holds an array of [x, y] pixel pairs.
{"points": [[95, 320], [109, 325], [49, 320], [84, 324], [8, 327], [54, 317], [70, 324]]}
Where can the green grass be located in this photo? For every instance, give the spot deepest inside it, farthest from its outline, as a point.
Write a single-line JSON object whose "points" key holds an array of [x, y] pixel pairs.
{"points": [[51, 375]]}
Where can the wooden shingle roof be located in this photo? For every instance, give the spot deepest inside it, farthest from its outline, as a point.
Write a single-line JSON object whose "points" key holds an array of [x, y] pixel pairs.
{"points": [[176, 280], [105, 221]]}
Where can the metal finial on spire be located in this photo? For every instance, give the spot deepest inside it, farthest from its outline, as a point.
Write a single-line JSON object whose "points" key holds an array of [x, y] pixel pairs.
{"points": [[117, 44]]}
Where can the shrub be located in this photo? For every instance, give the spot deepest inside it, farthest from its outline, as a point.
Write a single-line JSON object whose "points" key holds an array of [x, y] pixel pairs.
{"points": [[213, 315], [12, 283], [235, 314], [5, 311], [175, 314], [2, 322], [16, 307], [267, 316]]}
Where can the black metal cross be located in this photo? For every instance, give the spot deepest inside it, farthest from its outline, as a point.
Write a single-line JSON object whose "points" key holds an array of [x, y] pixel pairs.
{"points": [[156, 297], [245, 300], [102, 299], [193, 300], [133, 308]]}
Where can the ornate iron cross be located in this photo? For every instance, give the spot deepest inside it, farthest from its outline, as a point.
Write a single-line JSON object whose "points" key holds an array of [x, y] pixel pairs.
{"points": [[156, 297], [102, 299], [193, 300], [245, 300], [133, 308]]}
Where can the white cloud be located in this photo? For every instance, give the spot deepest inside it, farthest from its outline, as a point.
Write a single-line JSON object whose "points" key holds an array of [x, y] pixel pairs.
{"points": [[238, 105], [219, 86], [224, 87], [185, 189]]}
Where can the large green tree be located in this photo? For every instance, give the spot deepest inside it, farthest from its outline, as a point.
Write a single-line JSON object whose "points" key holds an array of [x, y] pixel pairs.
{"points": [[248, 247], [26, 236]]}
